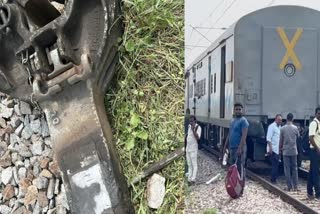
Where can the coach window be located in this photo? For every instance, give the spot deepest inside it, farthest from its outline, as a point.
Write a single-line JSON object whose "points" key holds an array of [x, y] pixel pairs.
{"points": [[229, 71], [196, 89], [214, 83]]}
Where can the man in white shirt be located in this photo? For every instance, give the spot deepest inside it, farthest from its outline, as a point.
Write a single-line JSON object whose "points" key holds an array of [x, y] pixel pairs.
{"points": [[314, 137], [273, 139], [194, 134]]}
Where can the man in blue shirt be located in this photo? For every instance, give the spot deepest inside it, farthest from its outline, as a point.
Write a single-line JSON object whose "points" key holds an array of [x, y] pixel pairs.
{"points": [[237, 137]]}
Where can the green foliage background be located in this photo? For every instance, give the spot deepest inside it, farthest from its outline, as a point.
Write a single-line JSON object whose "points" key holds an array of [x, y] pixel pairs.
{"points": [[147, 98]]}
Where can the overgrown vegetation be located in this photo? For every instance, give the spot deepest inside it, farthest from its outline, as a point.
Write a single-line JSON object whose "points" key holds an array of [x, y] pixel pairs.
{"points": [[146, 102]]}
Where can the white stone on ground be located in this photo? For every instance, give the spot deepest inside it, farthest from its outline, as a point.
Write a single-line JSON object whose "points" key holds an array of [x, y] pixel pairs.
{"points": [[6, 175], [155, 191]]}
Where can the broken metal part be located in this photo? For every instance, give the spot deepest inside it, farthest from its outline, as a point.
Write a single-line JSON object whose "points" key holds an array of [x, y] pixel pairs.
{"points": [[86, 151], [44, 89], [62, 63]]}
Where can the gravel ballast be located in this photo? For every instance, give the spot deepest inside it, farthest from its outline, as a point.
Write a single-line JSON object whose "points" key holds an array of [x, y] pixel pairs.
{"points": [[202, 197], [30, 180]]}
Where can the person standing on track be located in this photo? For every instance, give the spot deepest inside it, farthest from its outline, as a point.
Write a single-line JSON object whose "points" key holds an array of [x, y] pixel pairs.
{"points": [[288, 148], [236, 139], [186, 126], [194, 134], [314, 137], [273, 138]]}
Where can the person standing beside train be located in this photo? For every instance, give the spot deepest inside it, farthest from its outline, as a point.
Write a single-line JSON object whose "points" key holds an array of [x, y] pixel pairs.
{"points": [[273, 138], [236, 139], [194, 134], [288, 148], [186, 126], [314, 137]]}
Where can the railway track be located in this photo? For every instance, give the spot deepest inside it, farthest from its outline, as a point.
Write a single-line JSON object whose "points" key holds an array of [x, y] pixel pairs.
{"points": [[297, 199]]}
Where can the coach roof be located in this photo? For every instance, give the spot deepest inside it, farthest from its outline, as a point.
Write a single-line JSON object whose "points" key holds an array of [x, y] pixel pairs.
{"points": [[230, 31]]}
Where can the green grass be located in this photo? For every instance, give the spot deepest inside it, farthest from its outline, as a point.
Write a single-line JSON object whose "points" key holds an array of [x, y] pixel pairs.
{"points": [[146, 102], [210, 211]]}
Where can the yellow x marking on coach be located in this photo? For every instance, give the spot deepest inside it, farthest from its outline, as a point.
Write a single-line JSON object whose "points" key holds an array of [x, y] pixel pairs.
{"points": [[290, 46]]}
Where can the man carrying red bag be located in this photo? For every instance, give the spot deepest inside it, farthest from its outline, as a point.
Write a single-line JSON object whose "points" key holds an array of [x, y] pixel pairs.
{"points": [[236, 140], [234, 182]]}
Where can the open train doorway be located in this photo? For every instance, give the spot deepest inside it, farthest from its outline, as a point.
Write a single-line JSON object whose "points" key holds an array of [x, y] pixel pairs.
{"points": [[222, 82], [209, 86]]}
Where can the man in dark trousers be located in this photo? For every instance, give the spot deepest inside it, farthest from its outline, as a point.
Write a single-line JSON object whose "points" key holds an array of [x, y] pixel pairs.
{"points": [[236, 139], [314, 137], [288, 148], [273, 139]]}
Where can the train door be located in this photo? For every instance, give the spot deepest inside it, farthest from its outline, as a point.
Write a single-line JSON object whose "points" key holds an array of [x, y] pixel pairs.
{"points": [[187, 90], [209, 85], [222, 82], [296, 65], [193, 89]]}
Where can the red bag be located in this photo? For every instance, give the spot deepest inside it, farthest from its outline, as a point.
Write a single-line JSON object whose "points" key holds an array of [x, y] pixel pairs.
{"points": [[234, 183]]}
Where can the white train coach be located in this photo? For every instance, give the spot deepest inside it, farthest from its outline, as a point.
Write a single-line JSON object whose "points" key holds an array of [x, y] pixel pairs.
{"points": [[268, 61]]}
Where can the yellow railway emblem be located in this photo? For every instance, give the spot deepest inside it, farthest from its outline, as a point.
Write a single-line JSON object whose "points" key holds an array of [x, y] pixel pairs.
{"points": [[290, 47]]}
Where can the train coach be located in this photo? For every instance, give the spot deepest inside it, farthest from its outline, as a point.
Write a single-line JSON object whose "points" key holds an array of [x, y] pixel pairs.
{"points": [[268, 61]]}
